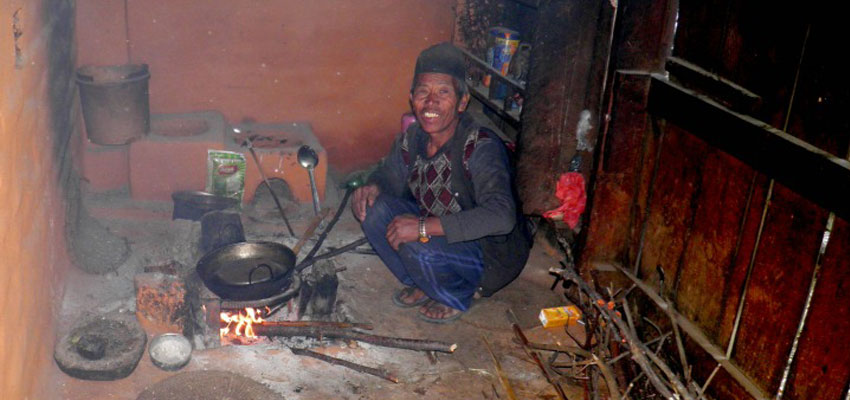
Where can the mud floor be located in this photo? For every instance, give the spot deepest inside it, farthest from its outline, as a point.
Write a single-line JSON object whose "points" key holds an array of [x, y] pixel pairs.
{"points": [[365, 291]]}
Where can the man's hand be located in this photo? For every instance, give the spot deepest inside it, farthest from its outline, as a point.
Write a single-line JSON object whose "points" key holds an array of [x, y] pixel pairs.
{"points": [[362, 198], [403, 229]]}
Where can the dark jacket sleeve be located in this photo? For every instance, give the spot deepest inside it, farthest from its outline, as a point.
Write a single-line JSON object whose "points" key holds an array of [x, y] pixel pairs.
{"points": [[495, 210], [391, 174]]}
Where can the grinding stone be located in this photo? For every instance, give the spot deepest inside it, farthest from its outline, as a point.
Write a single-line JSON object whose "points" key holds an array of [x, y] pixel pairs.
{"points": [[124, 344]]}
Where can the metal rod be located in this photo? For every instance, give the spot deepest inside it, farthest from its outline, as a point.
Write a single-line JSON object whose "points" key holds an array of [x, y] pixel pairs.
{"points": [[806, 307], [824, 242], [309, 261], [327, 229], [796, 79], [314, 190], [268, 185], [734, 335]]}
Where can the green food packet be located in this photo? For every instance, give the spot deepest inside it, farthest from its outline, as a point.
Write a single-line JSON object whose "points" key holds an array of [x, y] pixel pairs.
{"points": [[226, 173]]}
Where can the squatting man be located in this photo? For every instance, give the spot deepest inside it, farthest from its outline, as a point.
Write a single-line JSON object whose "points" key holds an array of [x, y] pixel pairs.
{"points": [[440, 210]]}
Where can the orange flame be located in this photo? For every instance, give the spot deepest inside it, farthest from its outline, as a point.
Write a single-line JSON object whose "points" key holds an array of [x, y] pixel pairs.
{"points": [[241, 323]]}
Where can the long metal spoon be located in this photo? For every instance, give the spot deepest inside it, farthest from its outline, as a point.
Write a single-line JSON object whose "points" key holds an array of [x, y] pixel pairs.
{"points": [[308, 159]]}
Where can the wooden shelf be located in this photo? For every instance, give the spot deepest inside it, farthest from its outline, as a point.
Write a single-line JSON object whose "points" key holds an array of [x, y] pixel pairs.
{"points": [[494, 73], [482, 94]]}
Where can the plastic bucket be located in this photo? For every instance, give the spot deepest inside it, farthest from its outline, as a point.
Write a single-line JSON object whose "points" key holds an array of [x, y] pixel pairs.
{"points": [[115, 104]]}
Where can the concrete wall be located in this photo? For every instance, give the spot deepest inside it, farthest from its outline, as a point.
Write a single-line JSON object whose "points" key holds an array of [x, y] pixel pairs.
{"points": [[35, 95], [345, 66]]}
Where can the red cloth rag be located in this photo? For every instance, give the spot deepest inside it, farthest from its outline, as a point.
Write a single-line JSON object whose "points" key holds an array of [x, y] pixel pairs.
{"points": [[570, 191]]}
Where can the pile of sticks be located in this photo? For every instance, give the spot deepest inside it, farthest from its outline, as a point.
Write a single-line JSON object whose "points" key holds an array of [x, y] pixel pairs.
{"points": [[612, 361]]}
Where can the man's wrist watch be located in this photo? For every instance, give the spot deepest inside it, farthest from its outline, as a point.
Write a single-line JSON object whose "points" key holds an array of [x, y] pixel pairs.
{"points": [[424, 237]]}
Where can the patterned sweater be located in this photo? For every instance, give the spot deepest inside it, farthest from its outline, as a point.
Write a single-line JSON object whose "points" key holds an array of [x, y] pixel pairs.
{"points": [[428, 182]]}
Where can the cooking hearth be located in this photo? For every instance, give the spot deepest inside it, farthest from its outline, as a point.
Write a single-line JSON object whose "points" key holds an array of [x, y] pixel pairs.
{"points": [[163, 255]]}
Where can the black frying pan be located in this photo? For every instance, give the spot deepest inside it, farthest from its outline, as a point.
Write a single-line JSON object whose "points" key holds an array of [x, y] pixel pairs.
{"points": [[259, 270], [247, 270]]}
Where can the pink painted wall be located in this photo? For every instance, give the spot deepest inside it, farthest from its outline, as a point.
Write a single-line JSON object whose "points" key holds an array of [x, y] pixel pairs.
{"points": [[32, 222], [345, 66]]}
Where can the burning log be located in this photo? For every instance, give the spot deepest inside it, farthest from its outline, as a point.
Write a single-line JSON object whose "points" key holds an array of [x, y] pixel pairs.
{"points": [[321, 324], [381, 373], [384, 341]]}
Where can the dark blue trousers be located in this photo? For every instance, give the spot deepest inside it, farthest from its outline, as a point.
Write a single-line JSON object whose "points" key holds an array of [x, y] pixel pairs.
{"points": [[447, 272]]}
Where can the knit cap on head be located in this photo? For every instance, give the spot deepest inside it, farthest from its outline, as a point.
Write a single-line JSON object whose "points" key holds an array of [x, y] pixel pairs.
{"points": [[442, 58]]}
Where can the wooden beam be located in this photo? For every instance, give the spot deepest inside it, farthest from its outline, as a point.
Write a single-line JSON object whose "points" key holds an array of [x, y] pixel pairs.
{"points": [[812, 172]]}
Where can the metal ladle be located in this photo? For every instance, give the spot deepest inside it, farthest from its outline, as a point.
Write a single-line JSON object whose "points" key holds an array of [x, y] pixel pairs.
{"points": [[308, 159]]}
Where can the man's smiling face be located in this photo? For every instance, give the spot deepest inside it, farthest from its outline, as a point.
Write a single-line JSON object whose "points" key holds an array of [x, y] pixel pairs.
{"points": [[436, 104]]}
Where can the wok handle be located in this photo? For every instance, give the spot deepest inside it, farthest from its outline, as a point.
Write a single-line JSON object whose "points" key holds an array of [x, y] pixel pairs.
{"points": [[251, 274]]}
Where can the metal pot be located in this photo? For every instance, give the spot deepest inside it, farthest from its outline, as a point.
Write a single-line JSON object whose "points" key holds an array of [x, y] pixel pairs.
{"points": [[170, 351], [247, 270]]}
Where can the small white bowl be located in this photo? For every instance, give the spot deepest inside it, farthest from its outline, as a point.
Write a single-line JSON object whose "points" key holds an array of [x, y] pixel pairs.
{"points": [[170, 351]]}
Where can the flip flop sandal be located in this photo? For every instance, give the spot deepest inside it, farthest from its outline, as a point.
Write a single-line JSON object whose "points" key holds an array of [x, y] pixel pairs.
{"points": [[446, 320], [406, 292]]}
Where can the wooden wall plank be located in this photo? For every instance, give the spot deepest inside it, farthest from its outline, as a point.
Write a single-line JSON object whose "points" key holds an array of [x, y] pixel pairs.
{"points": [[672, 206], [784, 157], [619, 169], [777, 289], [731, 293], [823, 359], [756, 44], [708, 284]]}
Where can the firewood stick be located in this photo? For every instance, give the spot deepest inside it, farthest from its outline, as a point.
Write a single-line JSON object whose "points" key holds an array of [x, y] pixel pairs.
{"points": [[381, 373], [502, 378], [320, 324], [310, 229], [385, 341], [520, 335]]}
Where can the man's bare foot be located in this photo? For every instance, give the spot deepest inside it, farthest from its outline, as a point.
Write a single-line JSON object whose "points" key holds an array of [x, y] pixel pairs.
{"points": [[438, 313], [410, 296]]}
